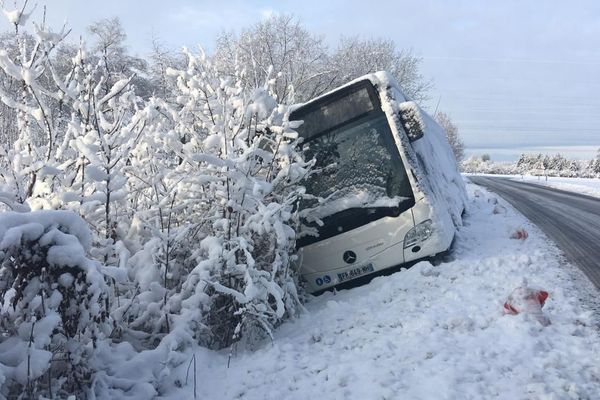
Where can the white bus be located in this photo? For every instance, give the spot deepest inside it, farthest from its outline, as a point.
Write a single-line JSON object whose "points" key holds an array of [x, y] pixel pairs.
{"points": [[387, 190]]}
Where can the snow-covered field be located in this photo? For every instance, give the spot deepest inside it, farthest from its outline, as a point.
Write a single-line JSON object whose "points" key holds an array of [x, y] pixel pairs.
{"points": [[589, 186], [428, 332]]}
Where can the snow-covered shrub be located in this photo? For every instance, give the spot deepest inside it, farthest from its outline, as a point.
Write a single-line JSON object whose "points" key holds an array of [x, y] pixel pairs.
{"points": [[53, 304], [216, 177], [76, 126], [191, 201], [239, 182]]}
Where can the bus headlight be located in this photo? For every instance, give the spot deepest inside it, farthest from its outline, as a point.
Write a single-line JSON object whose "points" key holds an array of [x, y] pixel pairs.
{"points": [[419, 233]]}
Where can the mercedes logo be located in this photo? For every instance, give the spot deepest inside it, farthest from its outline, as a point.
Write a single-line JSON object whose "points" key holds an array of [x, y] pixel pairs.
{"points": [[349, 256]]}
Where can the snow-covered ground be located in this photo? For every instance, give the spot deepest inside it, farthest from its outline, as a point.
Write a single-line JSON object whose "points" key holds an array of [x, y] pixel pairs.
{"points": [[430, 332], [589, 186]]}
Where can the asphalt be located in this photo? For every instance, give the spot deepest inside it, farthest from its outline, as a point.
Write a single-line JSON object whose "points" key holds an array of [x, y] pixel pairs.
{"points": [[570, 219]]}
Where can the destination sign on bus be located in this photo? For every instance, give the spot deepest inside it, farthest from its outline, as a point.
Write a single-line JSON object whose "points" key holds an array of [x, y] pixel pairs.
{"points": [[327, 116]]}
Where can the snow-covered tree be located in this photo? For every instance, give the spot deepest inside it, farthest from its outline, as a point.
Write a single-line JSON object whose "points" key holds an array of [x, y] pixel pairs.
{"points": [[303, 61], [109, 46], [8, 115], [355, 56], [279, 44], [456, 143], [574, 168], [97, 128], [160, 59], [537, 165], [594, 165], [102, 132], [30, 158], [475, 164]]}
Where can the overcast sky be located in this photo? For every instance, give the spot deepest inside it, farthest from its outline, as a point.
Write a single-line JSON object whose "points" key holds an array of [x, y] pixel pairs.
{"points": [[514, 75]]}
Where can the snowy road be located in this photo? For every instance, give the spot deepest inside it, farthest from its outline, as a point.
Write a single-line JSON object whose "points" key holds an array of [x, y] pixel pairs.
{"points": [[572, 220]]}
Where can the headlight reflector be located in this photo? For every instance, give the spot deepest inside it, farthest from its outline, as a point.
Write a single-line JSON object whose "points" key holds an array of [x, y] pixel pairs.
{"points": [[419, 233]]}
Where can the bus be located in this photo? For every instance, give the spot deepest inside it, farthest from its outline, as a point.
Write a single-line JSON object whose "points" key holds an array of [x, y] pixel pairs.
{"points": [[385, 190]]}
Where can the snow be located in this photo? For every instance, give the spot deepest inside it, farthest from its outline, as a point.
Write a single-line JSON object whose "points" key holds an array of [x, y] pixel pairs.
{"points": [[439, 168], [45, 34], [426, 332], [414, 122], [115, 90], [33, 308], [356, 197], [589, 186], [17, 17], [431, 156], [33, 366], [30, 226]]}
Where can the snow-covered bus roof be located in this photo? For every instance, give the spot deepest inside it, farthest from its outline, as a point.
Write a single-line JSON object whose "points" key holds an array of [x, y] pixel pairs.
{"points": [[381, 79]]}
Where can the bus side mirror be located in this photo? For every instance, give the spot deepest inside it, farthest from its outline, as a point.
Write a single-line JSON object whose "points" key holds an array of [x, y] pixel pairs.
{"points": [[410, 116]]}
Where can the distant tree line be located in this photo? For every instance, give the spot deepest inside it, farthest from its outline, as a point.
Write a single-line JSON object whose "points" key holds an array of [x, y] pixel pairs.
{"points": [[537, 165]]}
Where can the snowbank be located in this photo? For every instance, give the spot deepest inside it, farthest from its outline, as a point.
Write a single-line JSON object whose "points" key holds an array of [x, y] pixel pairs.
{"points": [[429, 332], [52, 301]]}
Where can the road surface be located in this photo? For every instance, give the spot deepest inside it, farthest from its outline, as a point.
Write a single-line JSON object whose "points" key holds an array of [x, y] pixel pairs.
{"points": [[572, 220]]}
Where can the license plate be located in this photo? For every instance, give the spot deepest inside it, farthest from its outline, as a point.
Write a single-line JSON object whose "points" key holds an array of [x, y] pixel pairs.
{"points": [[355, 272]]}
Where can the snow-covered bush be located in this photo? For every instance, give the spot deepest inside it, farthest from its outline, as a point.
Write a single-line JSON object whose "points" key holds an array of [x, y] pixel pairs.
{"points": [[74, 132], [237, 186], [187, 211], [53, 304]]}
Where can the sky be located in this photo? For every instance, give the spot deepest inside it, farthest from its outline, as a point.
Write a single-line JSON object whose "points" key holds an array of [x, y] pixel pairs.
{"points": [[515, 76]]}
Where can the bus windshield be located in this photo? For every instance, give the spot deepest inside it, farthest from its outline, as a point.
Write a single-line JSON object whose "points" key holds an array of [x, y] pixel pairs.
{"points": [[360, 176]]}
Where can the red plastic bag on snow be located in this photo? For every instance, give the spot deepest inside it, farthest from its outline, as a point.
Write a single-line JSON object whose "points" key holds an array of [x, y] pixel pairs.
{"points": [[525, 299], [519, 234]]}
